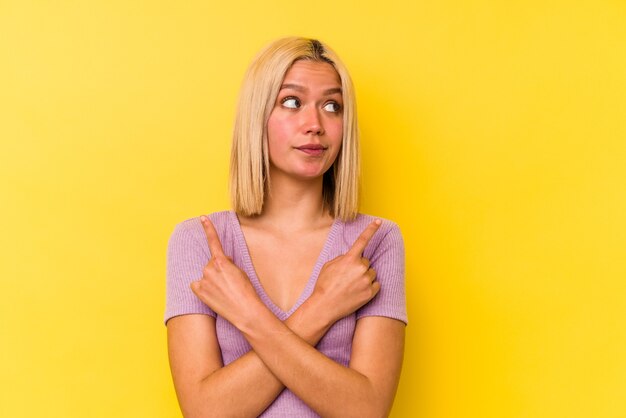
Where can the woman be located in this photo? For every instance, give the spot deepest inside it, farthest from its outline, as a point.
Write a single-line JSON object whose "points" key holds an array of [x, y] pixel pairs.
{"points": [[292, 304]]}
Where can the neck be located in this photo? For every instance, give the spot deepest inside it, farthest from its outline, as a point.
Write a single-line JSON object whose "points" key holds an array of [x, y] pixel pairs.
{"points": [[295, 205]]}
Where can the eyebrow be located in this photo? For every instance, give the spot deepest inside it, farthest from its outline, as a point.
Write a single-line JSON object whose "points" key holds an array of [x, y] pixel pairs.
{"points": [[300, 88]]}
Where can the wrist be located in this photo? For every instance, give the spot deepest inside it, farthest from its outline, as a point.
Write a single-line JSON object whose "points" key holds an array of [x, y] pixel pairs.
{"points": [[311, 320], [248, 313], [256, 319]]}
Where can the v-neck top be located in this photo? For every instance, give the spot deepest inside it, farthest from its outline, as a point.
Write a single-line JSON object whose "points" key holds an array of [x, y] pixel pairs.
{"points": [[249, 269], [188, 253]]}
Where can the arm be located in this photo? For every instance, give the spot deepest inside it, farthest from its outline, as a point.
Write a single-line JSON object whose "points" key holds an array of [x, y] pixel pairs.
{"points": [[198, 373], [205, 388], [366, 388]]}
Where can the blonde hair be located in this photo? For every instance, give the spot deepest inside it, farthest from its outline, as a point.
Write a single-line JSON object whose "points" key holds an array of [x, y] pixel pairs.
{"points": [[249, 168]]}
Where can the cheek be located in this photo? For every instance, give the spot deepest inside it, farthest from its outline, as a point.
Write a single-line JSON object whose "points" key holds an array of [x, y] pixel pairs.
{"points": [[272, 128], [336, 152], [276, 133], [278, 141], [336, 134], [279, 124], [334, 130]]}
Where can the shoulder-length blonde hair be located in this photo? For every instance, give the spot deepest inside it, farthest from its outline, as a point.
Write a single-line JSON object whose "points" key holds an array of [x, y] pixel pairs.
{"points": [[249, 168]]}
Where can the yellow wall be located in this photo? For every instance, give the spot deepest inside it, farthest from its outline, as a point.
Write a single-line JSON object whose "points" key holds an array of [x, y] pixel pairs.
{"points": [[494, 134]]}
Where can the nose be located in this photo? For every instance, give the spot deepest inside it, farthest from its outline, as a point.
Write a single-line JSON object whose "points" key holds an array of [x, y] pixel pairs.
{"points": [[312, 123]]}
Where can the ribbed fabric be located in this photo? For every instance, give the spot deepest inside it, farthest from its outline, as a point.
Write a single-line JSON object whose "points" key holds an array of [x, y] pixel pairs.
{"points": [[188, 253]]}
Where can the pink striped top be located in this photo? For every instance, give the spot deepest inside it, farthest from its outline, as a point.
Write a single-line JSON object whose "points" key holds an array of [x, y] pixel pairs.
{"points": [[188, 253]]}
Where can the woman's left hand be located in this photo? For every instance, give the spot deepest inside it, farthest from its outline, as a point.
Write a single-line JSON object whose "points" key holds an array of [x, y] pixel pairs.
{"points": [[224, 287]]}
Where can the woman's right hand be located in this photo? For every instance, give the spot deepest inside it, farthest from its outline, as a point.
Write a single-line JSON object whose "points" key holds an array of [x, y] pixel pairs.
{"points": [[347, 282], [224, 287]]}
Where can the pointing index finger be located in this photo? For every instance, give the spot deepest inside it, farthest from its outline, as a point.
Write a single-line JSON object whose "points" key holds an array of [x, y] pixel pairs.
{"points": [[361, 242], [215, 246]]}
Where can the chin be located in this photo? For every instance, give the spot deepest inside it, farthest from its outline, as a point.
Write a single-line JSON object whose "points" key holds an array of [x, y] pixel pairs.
{"points": [[309, 176], [315, 173], [305, 172]]}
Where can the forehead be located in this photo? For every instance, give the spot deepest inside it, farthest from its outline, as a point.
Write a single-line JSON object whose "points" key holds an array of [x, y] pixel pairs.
{"points": [[312, 73]]}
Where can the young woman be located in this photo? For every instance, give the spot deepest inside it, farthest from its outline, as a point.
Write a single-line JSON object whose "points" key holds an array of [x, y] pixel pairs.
{"points": [[292, 304]]}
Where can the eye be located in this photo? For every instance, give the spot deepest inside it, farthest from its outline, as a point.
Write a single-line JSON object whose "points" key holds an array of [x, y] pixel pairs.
{"points": [[290, 102], [333, 107]]}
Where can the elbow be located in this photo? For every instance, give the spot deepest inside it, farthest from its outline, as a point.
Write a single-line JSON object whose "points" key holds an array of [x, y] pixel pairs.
{"points": [[376, 411], [195, 405], [199, 411], [377, 404], [372, 406], [366, 411], [190, 409]]}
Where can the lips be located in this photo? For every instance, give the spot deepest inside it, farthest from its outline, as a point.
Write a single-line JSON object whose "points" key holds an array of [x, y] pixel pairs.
{"points": [[312, 149]]}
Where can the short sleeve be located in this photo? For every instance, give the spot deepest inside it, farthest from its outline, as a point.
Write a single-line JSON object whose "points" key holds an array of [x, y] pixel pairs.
{"points": [[388, 262], [186, 258]]}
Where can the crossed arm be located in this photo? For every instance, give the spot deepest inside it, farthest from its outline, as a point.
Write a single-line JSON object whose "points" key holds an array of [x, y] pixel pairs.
{"points": [[283, 354]]}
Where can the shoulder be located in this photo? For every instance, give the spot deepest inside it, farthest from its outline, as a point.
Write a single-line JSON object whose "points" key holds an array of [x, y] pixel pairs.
{"points": [[363, 220], [190, 232], [355, 227], [192, 227], [387, 257], [388, 232]]}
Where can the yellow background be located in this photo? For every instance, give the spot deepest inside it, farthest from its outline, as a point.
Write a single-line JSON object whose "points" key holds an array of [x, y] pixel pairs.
{"points": [[493, 132]]}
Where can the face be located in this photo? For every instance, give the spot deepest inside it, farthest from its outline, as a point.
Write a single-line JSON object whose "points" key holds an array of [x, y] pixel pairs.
{"points": [[305, 127]]}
